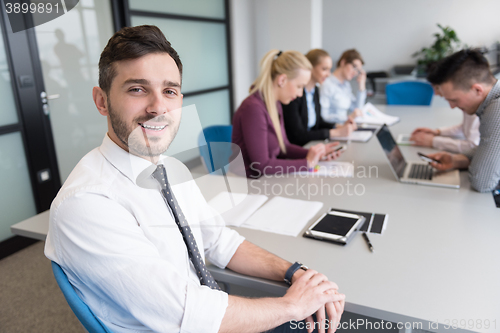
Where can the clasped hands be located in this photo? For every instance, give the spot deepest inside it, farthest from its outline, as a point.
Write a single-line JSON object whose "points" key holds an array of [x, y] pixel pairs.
{"points": [[310, 293], [423, 136]]}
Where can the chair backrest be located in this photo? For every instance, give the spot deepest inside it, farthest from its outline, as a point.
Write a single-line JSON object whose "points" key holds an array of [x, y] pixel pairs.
{"points": [[215, 156], [372, 76], [91, 323], [409, 93]]}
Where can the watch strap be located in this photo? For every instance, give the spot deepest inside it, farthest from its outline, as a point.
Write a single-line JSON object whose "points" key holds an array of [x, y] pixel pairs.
{"points": [[290, 271]]}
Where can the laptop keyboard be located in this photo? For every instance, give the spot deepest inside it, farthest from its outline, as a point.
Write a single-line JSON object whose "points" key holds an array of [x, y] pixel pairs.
{"points": [[421, 171]]}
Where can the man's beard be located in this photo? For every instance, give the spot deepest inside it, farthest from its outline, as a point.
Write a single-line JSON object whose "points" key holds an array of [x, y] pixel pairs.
{"points": [[136, 140]]}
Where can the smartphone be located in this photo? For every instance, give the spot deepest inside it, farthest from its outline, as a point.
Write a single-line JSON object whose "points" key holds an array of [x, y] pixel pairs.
{"points": [[337, 149], [427, 158], [335, 226], [340, 148]]}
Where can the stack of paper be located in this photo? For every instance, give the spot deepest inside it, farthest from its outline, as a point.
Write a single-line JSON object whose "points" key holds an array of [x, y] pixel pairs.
{"points": [[372, 115], [356, 136], [284, 216], [236, 208], [331, 169]]}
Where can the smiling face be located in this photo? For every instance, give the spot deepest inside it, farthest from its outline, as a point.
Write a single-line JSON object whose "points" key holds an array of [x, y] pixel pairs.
{"points": [[322, 70], [466, 100], [143, 105], [290, 89]]}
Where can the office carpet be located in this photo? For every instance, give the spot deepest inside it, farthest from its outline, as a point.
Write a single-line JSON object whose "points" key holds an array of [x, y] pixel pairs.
{"points": [[30, 299]]}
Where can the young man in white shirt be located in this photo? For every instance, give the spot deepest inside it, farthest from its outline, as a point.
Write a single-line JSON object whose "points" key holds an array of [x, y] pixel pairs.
{"points": [[465, 80], [460, 138], [119, 243]]}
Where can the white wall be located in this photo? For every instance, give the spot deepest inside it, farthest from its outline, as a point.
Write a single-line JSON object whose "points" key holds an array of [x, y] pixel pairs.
{"points": [[388, 32], [242, 48], [258, 26]]}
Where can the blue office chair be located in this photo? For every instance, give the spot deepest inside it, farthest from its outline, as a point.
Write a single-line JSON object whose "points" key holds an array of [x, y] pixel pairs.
{"points": [[215, 156], [91, 323], [409, 93]]}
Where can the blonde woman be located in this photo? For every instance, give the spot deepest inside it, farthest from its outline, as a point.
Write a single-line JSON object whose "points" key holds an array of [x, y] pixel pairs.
{"points": [[258, 127]]}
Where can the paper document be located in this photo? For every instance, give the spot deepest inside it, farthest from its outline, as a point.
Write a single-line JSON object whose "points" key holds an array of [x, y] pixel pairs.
{"points": [[404, 140], [356, 136], [372, 115], [331, 169], [236, 208], [284, 216]]}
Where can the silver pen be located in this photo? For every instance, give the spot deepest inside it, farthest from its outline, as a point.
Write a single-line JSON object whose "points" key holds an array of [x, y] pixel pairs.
{"points": [[370, 246]]}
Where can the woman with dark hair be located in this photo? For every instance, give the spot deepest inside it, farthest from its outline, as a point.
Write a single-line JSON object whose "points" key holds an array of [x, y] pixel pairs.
{"points": [[303, 120], [258, 127], [337, 99]]}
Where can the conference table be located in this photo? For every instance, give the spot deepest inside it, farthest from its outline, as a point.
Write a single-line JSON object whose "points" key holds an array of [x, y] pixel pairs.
{"points": [[435, 267]]}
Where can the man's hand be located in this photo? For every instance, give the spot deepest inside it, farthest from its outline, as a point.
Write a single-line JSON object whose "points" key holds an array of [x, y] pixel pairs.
{"points": [[449, 161], [445, 161], [422, 139], [312, 292], [426, 130]]}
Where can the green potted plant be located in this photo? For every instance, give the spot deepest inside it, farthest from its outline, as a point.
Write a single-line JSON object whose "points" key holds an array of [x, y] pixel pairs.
{"points": [[445, 44]]}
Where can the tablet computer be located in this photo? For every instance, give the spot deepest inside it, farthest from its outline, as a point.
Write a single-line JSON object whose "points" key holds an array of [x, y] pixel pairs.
{"points": [[334, 226]]}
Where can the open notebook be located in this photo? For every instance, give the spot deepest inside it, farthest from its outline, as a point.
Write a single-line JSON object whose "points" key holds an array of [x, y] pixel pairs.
{"points": [[279, 215]]}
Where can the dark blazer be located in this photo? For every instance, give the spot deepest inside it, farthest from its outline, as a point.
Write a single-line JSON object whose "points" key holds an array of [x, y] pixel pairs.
{"points": [[296, 119]]}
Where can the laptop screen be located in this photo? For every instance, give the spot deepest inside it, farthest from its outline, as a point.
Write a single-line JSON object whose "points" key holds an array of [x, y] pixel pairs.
{"points": [[392, 151]]}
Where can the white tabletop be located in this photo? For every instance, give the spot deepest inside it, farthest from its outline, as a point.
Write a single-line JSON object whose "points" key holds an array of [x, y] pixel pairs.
{"points": [[437, 261]]}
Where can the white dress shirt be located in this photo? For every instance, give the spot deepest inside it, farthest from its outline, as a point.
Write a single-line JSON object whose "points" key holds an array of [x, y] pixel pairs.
{"points": [[116, 240], [460, 138], [336, 99]]}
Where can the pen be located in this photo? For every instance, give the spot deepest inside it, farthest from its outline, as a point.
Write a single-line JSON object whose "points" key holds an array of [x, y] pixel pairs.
{"points": [[370, 246]]}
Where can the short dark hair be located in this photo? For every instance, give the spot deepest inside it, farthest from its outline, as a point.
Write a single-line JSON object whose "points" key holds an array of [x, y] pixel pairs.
{"points": [[349, 56], [132, 43], [462, 69]]}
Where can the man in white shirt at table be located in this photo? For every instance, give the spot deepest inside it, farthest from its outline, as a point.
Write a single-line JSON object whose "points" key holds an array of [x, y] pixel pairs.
{"points": [[465, 80], [460, 138], [119, 243]]}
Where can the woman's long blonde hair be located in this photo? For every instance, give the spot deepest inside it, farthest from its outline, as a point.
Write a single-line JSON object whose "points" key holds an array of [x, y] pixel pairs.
{"points": [[273, 64]]}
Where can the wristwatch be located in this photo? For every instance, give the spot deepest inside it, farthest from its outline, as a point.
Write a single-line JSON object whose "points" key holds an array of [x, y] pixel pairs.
{"points": [[289, 273]]}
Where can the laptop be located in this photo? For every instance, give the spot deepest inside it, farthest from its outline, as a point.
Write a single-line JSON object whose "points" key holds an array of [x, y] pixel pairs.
{"points": [[415, 172]]}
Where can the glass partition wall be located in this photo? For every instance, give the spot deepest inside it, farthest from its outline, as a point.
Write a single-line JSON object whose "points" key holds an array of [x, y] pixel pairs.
{"points": [[199, 32], [49, 121]]}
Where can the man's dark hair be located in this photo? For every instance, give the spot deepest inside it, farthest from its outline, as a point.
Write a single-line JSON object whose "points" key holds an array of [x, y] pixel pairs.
{"points": [[132, 43], [462, 69]]}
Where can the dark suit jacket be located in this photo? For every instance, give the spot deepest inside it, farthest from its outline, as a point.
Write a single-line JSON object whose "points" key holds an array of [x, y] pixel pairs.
{"points": [[296, 119]]}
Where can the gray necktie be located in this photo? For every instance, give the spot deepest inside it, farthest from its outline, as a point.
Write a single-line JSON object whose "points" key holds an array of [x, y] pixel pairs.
{"points": [[204, 275]]}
